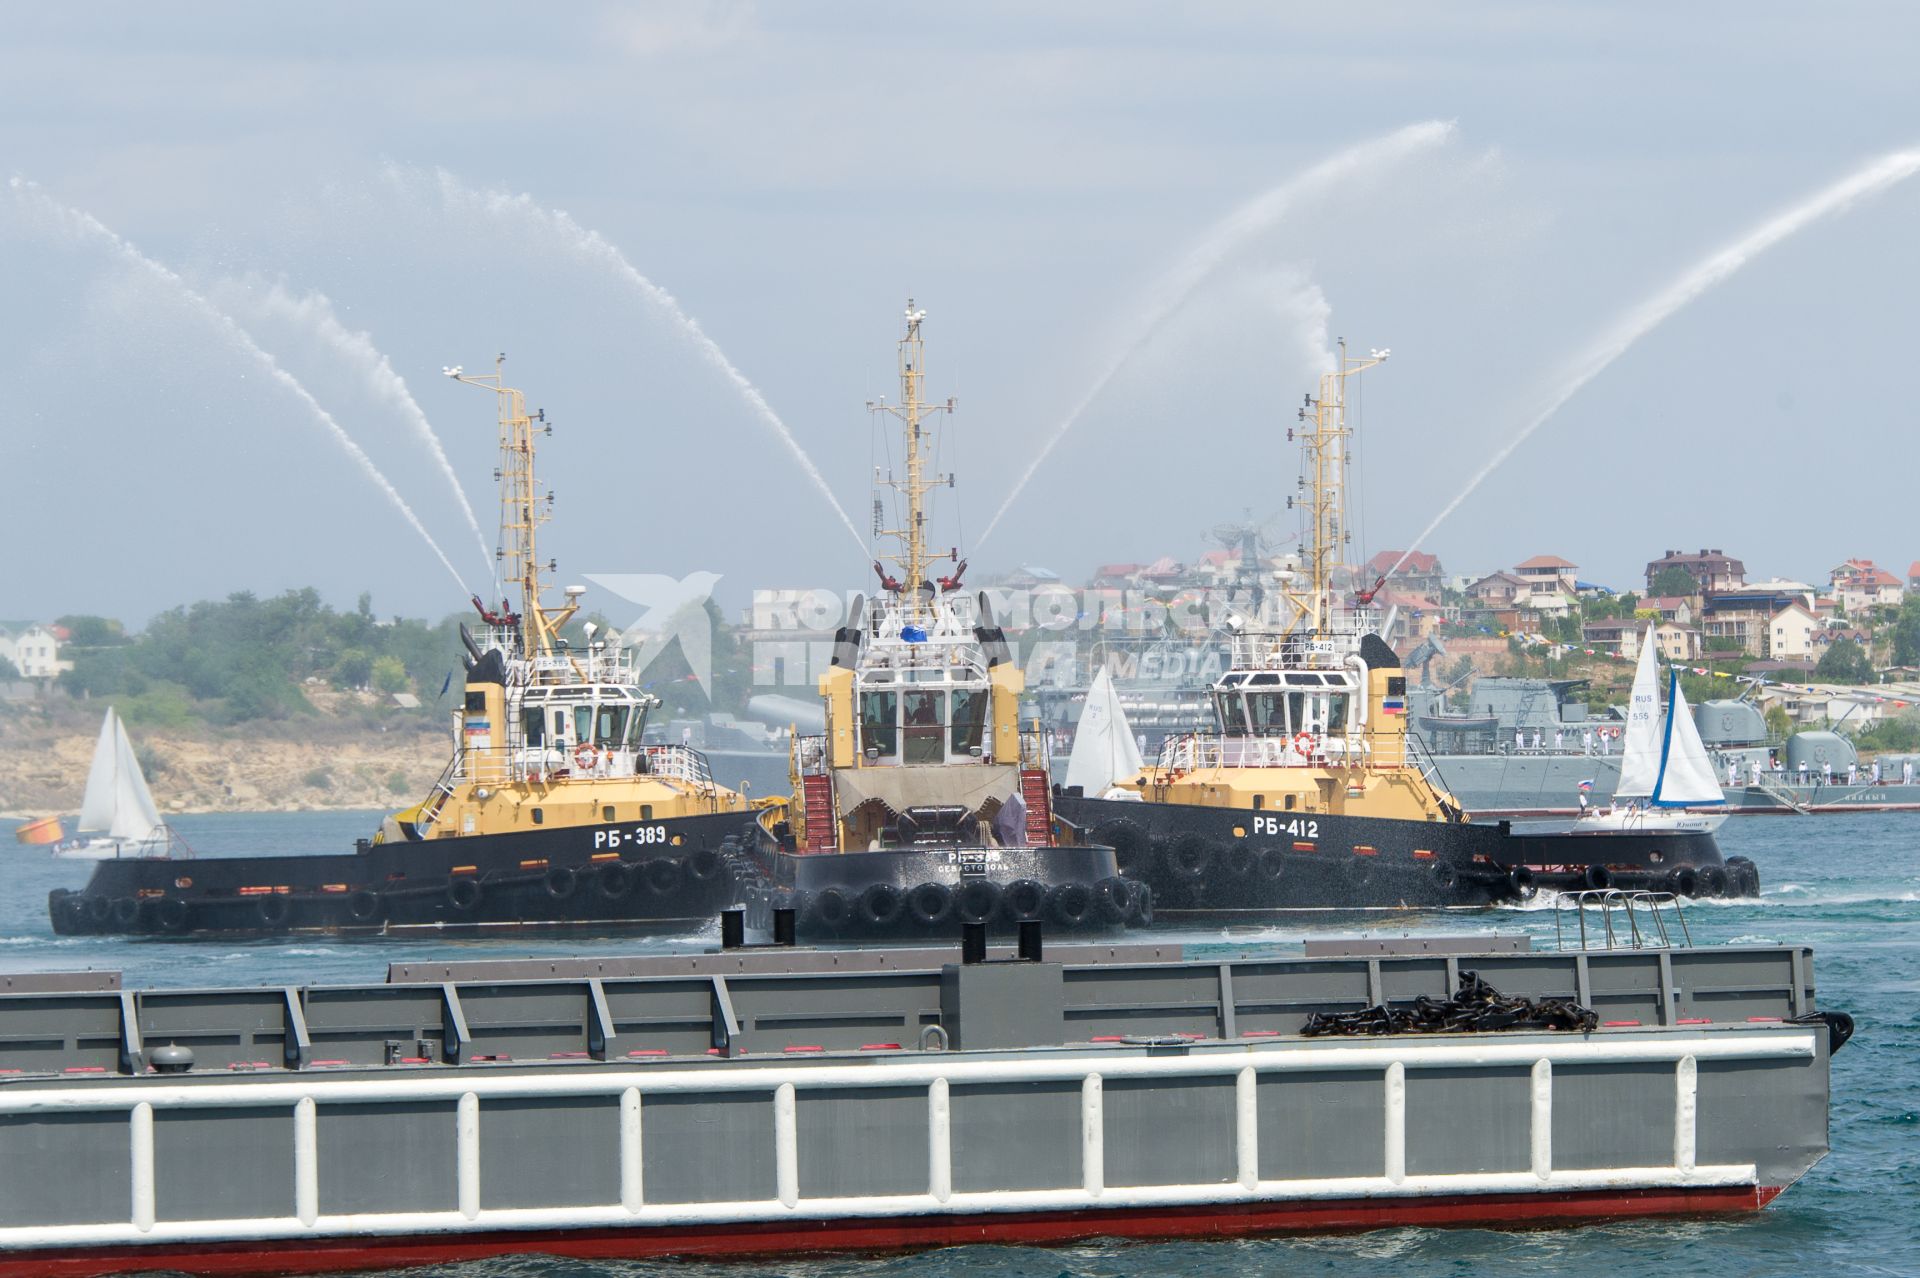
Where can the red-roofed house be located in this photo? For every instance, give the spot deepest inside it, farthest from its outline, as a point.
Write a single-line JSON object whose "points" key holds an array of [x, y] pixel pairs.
{"points": [[1420, 574], [1913, 574], [1673, 608], [1859, 584], [1115, 576], [1550, 585]]}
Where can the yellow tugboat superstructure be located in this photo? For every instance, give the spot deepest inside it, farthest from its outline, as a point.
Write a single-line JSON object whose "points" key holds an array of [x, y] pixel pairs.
{"points": [[923, 802], [549, 734], [1306, 722]]}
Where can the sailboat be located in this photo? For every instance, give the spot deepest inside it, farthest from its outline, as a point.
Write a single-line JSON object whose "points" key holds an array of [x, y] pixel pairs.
{"points": [[1104, 750], [117, 814], [1664, 769]]}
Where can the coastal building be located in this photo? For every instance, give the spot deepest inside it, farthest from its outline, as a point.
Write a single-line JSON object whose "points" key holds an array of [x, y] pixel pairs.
{"points": [[1622, 637], [1738, 620], [34, 651], [1790, 633], [1548, 575], [1675, 608], [1711, 570], [1497, 591], [1421, 574], [1860, 584]]}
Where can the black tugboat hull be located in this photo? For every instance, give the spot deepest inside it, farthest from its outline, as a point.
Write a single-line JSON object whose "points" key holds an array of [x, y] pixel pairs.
{"points": [[1232, 864], [897, 893], [669, 875]]}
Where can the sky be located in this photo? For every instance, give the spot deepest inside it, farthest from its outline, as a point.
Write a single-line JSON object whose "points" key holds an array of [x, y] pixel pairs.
{"points": [[1107, 194]]}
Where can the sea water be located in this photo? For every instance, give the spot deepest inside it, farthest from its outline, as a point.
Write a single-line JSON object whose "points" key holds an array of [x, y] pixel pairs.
{"points": [[1849, 886]]}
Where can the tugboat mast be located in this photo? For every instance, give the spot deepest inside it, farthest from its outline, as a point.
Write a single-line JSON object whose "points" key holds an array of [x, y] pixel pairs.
{"points": [[523, 508], [1325, 459], [912, 557]]}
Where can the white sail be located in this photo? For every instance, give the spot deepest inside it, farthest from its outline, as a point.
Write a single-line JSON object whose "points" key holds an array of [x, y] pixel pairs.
{"points": [[1688, 777], [134, 815], [96, 806], [1640, 758], [1104, 750]]}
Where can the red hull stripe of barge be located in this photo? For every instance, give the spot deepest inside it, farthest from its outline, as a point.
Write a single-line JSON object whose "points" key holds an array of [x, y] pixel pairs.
{"points": [[344, 1255]]}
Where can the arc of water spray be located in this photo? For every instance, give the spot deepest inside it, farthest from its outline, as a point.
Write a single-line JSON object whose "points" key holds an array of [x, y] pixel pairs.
{"points": [[595, 248], [99, 230], [1869, 180], [1212, 251], [315, 312]]}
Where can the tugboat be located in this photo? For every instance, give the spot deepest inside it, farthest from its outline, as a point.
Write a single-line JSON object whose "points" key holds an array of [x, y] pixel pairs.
{"points": [[1312, 794], [923, 806], [553, 812]]}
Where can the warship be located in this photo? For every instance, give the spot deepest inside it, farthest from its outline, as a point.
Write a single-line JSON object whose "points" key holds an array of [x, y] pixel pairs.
{"points": [[554, 811], [1525, 747], [1312, 793], [923, 805], [768, 1101]]}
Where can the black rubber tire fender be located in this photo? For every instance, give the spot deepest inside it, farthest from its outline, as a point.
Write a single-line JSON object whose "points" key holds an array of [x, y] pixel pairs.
{"points": [[930, 904], [1132, 850], [561, 882], [614, 881], [1068, 904], [1025, 900], [1446, 875], [1111, 899], [1683, 881], [99, 908], [1522, 882], [1239, 860], [75, 910], [1596, 878], [273, 911], [977, 900], [881, 905], [1191, 857], [465, 895], [172, 914], [664, 875], [830, 907], [126, 911], [1273, 865], [705, 866], [366, 906], [1714, 880]]}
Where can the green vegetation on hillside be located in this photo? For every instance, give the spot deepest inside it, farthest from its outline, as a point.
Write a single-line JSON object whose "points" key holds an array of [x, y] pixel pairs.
{"points": [[245, 658]]}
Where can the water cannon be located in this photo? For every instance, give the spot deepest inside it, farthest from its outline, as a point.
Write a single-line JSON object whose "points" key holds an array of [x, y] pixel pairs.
{"points": [[888, 582], [952, 581], [1365, 597]]}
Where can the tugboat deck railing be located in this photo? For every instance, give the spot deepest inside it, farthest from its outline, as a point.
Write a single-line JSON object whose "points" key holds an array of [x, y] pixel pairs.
{"points": [[1621, 920]]}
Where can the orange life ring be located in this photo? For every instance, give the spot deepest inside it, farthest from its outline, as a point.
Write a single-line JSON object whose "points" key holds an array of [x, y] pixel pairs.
{"points": [[583, 756], [1304, 743]]}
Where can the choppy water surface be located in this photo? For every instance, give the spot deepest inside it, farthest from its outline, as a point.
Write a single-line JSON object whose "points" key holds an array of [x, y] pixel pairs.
{"points": [[1847, 885]]}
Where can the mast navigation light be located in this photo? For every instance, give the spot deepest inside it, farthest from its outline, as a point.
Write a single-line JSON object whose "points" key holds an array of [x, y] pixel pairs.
{"points": [[455, 371]]}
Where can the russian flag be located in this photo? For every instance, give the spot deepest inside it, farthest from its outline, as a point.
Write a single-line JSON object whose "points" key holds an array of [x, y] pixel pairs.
{"points": [[1393, 705]]}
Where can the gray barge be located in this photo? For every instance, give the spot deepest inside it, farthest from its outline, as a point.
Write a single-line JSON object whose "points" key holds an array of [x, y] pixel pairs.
{"points": [[778, 1100]]}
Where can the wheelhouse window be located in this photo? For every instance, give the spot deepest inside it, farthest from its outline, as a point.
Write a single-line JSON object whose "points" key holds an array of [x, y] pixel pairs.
{"points": [[969, 721], [879, 725], [925, 726], [1233, 714], [610, 725], [534, 722], [1337, 713]]}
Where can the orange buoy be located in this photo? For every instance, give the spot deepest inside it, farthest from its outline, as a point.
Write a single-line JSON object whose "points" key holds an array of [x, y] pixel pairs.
{"points": [[45, 830]]}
